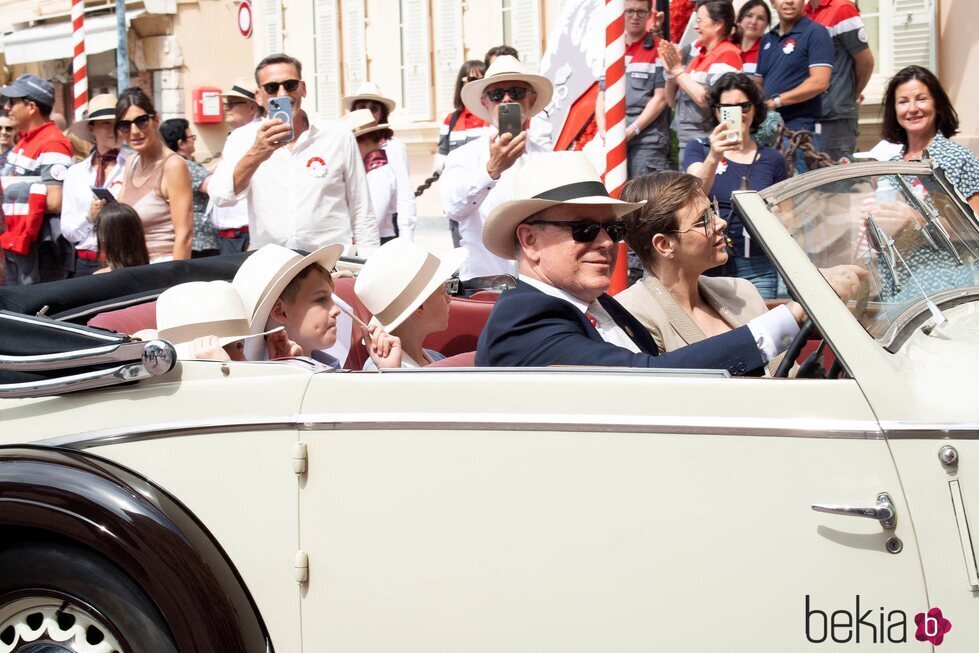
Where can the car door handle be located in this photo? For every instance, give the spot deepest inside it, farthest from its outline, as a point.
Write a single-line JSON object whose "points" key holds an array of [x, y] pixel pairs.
{"points": [[883, 512]]}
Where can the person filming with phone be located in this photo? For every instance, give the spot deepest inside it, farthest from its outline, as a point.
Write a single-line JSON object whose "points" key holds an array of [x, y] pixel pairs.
{"points": [[730, 159], [304, 180], [479, 175]]}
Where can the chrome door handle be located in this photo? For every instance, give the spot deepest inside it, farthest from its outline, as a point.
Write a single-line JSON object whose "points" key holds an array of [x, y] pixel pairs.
{"points": [[882, 512]]}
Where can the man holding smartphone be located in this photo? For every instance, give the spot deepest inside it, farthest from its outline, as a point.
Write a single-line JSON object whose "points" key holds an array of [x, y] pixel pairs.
{"points": [[479, 175], [304, 181]]}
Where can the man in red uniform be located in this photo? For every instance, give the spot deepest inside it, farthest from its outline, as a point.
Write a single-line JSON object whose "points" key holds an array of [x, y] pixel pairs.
{"points": [[33, 247]]}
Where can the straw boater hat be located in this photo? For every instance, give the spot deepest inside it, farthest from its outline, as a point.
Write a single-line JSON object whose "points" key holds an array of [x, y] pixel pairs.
{"points": [[242, 88], [100, 107], [201, 308], [506, 69], [548, 180], [362, 122], [368, 91], [401, 275], [265, 274]]}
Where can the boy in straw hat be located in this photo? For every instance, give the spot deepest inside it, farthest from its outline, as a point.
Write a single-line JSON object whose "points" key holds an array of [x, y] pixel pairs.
{"points": [[282, 288], [479, 175], [562, 228], [101, 169]]}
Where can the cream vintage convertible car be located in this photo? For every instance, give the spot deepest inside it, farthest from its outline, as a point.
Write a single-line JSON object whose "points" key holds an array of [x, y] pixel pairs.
{"points": [[151, 504]]}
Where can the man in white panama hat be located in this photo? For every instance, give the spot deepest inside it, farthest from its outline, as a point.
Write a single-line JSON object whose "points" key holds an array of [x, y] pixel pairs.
{"points": [[562, 227], [101, 169], [479, 175]]}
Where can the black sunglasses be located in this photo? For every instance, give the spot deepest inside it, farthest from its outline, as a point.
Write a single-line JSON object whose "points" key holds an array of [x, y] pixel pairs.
{"points": [[7, 129], [272, 88], [515, 92], [586, 231], [141, 122], [744, 105]]}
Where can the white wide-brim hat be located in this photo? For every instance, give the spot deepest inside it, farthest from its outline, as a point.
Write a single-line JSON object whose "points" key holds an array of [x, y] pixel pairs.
{"points": [[264, 275], [399, 277], [548, 180], [242, 89], [362, 122], [506, 69], [368, 91], [202, 308], [100, 107]]}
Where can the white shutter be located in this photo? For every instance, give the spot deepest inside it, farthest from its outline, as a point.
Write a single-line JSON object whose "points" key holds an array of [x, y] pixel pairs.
{"points": [[525, 31], [354, 46], [327, 74], [273, 26], [448, 51], [913, 34], [416, 68]]}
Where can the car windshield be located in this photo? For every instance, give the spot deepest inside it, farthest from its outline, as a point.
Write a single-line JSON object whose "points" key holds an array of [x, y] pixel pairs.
{"points": [[917, 239]]}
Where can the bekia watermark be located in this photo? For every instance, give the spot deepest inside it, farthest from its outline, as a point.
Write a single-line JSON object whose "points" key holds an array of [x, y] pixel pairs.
{"points": [[874, 625]]}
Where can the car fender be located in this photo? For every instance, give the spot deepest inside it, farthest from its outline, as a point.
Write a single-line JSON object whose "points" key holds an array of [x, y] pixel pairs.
{"points": [[144, 531]]}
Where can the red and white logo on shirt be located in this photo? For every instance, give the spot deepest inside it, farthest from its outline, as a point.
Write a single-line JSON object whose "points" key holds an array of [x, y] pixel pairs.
{"points": [[789, 46], [722, 167], [316, 166]]}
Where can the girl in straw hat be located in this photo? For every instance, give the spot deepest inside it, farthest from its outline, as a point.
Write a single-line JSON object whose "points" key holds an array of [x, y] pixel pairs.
{"points": [[403, 285]]}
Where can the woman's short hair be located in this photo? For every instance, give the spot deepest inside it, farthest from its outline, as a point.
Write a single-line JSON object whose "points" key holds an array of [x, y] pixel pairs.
{"points": [[120, 236], [748, 6], [466, 74], [722, 11], [173, 131], [946, 118], [665, 192], [133, 96], [735, 82]]}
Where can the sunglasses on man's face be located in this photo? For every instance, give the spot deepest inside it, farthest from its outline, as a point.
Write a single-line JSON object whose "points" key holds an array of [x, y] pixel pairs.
{"points": [[6, 129], [272, 88], [515, 92], [232, 105], [141, 122], [586, 231]]}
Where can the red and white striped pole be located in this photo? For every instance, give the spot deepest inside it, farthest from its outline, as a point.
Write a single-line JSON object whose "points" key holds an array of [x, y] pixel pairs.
{"points": [[79, 63], [615, 152]]}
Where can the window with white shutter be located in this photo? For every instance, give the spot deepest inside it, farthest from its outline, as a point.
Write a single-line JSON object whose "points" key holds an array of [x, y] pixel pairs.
{"points": [[326, 41], [900, 33], [273, 26], [353, 22], [525, 36], [448, 52], [416, 60]]}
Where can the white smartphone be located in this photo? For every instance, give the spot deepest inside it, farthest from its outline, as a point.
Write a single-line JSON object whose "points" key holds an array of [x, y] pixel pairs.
{"points": [[731, 116]]}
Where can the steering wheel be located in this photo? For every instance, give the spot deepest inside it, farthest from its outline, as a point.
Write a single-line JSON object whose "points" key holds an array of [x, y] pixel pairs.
{"points": [[792, 353]]}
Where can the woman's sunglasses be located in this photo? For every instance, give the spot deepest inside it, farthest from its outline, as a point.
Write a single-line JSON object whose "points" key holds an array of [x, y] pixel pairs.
{"points": [[586, 231], [516, 93], [272, 88], [141, 122], [745, 106], [707, 222]]}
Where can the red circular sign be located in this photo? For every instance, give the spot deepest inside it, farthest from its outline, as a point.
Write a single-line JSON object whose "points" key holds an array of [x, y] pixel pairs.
{"points": [[245, 18]]}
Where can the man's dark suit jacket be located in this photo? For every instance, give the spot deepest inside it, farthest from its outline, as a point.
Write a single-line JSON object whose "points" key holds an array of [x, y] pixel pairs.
{"points": [[528, 328]]}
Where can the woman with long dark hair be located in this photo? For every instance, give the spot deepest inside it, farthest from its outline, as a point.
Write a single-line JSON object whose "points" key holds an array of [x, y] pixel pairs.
{"points": [[121, 241]]}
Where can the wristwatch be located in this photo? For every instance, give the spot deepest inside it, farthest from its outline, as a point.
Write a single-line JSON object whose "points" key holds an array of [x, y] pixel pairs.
{"points": [[777, 101]]}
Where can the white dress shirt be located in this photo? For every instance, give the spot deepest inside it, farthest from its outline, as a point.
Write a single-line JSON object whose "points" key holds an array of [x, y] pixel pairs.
{"points": [[469, 194], [303, 197], [773, 331], [397, 154], [383, 185], [77, 197]]}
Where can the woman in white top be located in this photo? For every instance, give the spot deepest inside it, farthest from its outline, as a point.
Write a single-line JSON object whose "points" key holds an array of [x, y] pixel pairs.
{"points": [[382, 182]]}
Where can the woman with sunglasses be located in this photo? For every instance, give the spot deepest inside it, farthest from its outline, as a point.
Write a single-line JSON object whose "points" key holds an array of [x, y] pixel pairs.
{"points": [[725, 162], [156, 183], [678, 236]]}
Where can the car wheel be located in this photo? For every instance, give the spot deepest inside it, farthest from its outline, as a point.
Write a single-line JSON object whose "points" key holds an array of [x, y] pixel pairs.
{"points": [[63, 598]]}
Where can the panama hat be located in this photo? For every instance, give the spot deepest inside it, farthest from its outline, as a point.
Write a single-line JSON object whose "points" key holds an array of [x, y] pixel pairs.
{"points": [[548, 180], [265, 274], [100, 107], [242, 88], [202, 308], [368, 91], [362, 122], [506, 69], [399, 277]]}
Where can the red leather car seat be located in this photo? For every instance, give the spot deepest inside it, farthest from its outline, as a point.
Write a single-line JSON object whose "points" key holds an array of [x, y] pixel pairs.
{"points": [[467, 317], [127, 320]]}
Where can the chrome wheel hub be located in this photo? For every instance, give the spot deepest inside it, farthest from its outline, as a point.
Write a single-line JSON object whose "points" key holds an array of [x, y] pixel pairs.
{"points": [[44, 624]]}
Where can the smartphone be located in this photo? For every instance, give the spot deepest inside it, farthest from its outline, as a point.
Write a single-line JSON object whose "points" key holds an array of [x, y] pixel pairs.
{"points": [[103, 194], [509, 118], [731, 116], [281, 108]]}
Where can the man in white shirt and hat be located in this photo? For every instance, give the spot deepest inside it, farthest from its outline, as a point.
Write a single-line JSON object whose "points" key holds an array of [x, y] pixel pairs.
{"points": [[101, 169], [305, 181], [479, 175]]}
